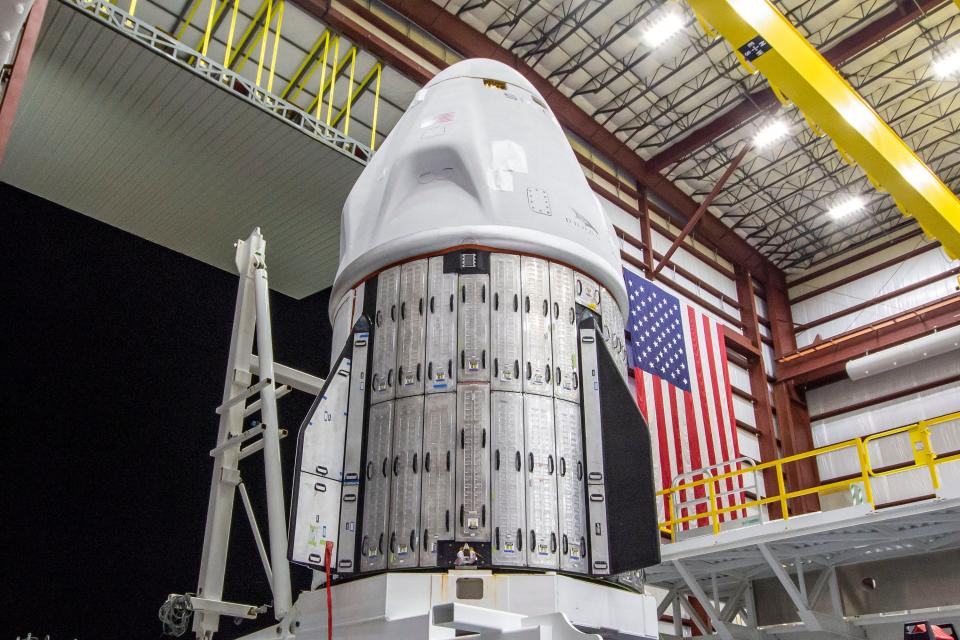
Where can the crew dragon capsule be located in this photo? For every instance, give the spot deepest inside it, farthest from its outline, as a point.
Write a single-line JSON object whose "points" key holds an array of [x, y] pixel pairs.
{"points": [[478, 413]]}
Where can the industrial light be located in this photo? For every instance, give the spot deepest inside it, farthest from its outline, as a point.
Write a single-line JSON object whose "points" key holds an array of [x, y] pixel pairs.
{"points": [[773, 131], [846, 207], [662, 28], [948, 64]]}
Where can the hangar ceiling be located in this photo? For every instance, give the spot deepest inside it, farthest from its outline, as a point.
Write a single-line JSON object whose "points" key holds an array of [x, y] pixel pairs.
{"points": [[653, 97]]}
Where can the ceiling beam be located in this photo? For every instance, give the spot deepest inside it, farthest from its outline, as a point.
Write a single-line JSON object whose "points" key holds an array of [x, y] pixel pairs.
{"points": [[764, 100], [377, 36], [399, 50]]}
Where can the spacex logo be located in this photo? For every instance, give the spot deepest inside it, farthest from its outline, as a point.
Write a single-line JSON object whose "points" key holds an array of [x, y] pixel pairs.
{"points": [[581, 222]]}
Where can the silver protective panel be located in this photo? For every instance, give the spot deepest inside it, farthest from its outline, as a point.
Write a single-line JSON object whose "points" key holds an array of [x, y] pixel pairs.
{"points": [[405, 483], [318, 513], [505, 322], [537, 347], [383, 375], [541, 496], [613, 329], [563, 316], [599, 543], [322, 440], [438, 497], [473, 462], [376, 492], [507, 480], [593, 450], [587, 292], [346, 545], [441, 352], [571, 482], [473, 328], [411, 328]]}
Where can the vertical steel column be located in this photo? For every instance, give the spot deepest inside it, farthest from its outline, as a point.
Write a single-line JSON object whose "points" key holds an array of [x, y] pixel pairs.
{"points": [[646, 236], [276, 513], [750, 319], [792, 415]]}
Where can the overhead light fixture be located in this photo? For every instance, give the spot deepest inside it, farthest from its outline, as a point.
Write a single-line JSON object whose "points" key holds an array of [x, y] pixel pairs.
{"points": [[770, 133], [846, 207], [948, 64], [662, 28]]}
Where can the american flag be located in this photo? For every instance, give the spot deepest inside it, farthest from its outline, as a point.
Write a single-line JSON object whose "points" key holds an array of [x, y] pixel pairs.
{"points": [[679, 361]]}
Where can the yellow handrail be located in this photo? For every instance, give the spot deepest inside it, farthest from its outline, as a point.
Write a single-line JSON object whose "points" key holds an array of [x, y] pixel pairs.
{"points": [[257, 35], [924, 457]]}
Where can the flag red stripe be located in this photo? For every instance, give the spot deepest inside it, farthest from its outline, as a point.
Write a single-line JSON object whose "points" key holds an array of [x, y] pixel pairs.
{"points": [[677, 439], [698, 365], [665, 469], [736, 436], [723, 425]]}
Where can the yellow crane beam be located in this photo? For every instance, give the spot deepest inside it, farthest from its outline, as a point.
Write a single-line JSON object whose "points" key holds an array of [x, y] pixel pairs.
{"points": [[766, 41]]}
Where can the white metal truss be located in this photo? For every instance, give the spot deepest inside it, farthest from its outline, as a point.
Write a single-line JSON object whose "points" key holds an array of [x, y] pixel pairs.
{"points": [[228, 80], [251, 320]]}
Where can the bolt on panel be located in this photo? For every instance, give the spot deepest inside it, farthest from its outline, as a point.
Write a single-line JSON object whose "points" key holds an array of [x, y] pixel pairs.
{"points": [[351, 462], [405, 483], [563, 317], [322, 440], [587, 292], [317, 519], [441, 336], [507, 480], [541, 495], [411, 328], [613, 329], [376, 493], [473, 328], [473, 463], [505, 322], [383, 376], [571, 482], [593, 448], [438, 493], [537, 347]]}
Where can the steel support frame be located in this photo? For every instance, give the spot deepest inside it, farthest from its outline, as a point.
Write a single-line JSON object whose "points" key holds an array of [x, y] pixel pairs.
{"points": [[251, 318], [756, 368], [719, 619], [820, 363], [702, 209], [793, 418], [815, 621]]}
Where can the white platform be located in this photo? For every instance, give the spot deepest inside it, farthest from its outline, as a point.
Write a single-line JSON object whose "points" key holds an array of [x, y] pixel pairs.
{"points": [[400, 606]]}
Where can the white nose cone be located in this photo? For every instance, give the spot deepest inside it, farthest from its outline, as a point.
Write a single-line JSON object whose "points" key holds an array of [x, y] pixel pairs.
{"points": [[478, 160]]}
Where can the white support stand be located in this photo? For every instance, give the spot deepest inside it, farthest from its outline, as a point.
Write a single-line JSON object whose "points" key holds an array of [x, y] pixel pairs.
{"points": [[251, 316]]}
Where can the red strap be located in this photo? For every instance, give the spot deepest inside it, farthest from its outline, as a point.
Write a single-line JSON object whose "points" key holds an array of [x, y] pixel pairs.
{"points": [[327, 561]]}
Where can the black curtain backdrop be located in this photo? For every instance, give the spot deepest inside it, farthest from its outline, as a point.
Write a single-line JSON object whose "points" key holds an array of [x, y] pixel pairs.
{"points": [[115, 352]]}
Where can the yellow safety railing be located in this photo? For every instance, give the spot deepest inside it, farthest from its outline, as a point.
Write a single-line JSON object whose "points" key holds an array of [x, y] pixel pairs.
{"points": [[924, 457], [257, 35]]}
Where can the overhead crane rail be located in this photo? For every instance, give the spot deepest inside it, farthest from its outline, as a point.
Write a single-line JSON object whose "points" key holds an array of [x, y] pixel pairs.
{"points": [[707, 509], [332, 129]]}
